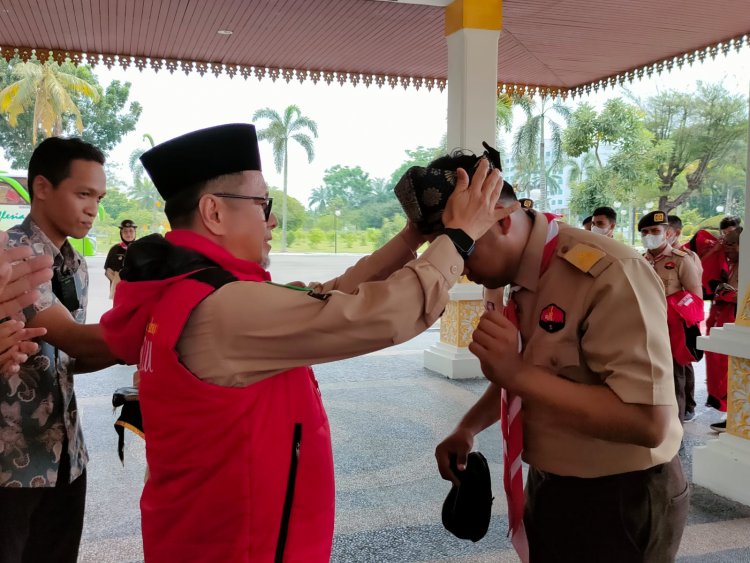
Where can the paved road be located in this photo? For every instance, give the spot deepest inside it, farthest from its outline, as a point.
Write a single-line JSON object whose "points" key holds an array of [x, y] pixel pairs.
{"points": [[387, 413]]}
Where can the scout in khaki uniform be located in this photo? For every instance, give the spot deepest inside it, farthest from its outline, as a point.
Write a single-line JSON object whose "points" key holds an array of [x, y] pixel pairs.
{"points": [[679, 273], [579, 363], [233, 417]]}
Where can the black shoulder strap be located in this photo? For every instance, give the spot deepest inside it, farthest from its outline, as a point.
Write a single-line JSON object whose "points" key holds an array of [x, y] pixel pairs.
{"points": [[215, 277]]}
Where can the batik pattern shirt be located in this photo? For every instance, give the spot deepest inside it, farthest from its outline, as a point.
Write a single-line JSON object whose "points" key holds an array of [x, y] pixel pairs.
{"points": [[38, 408]]}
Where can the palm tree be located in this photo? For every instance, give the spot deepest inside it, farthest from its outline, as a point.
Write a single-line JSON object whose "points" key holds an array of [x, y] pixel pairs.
{"points": [[319, 199], [143, 190], [529, 145], [49, 88], [279, 131]]}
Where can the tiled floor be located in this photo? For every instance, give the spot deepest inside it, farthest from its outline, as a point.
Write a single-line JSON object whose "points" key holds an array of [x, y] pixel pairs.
{"points": [[387, 413]]}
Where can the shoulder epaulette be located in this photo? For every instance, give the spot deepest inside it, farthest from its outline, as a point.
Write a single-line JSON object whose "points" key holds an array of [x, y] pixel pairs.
{"points": [[583, 257], [679, 252]]}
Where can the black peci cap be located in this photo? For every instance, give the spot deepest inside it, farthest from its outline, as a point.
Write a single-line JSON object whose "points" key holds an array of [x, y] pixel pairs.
{"points": [[202, 155], [468, 508]]}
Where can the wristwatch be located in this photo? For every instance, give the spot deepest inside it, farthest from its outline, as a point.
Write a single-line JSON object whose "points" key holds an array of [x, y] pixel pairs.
{"points": [[464, 243]]}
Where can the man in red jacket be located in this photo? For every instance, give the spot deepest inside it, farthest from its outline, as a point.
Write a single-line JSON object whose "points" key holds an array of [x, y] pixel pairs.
{"points": [[238, 443]]}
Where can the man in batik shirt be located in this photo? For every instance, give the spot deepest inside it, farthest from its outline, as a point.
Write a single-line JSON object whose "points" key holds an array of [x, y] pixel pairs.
{"points": [[42, 454]]}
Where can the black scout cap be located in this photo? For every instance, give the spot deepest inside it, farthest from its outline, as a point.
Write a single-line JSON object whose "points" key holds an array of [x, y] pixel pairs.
{"points": [[127, 223], [202, 155], [468, 508], [424, 192], [526, 203], [652, 220]]}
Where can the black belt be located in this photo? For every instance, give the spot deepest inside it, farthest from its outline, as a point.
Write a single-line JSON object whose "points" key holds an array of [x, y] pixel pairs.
{"points": [[655, 470]]}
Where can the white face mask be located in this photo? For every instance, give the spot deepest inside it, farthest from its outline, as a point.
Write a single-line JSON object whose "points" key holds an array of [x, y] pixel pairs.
{"points": [[652, 242], [599, 230]]}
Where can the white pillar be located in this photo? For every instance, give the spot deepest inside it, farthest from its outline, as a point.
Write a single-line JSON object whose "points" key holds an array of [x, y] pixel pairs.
{"points": [[472, 29], [723, 465], [472, 88]]}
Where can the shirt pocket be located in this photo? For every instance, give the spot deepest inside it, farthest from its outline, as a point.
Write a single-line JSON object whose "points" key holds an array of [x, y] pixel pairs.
{"points": [[556, 355]]}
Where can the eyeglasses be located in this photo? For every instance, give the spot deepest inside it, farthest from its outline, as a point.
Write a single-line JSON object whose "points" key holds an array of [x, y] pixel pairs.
{"points": [[265, 202]]}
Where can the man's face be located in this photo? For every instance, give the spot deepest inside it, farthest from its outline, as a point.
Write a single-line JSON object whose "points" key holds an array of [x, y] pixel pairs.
{"points": [[489, 264], [673, 235], [71, 207], [603, 225], [732, 247], [128, 234], [587, 226], [248, 235]]}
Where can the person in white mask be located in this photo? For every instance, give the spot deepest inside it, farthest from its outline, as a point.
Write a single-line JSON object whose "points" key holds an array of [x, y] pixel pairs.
{"points": [[679, 274], [603, 221]]}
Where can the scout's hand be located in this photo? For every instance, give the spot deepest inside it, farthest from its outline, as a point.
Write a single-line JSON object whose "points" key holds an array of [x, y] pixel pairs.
{"points": [[456, 445], [495, 343], [471, 208]]}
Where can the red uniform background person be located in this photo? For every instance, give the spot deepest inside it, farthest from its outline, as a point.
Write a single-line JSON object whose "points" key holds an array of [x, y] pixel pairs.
{"points": [[116, 256], [723, 310]]}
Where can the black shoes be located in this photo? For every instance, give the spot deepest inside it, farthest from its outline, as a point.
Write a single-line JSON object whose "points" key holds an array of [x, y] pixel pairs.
{"points": [[719, 426]]}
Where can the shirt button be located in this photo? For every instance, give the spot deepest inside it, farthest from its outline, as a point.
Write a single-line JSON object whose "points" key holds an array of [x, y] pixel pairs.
{"points": [[454, 269], [564, 249], [553, 360]]}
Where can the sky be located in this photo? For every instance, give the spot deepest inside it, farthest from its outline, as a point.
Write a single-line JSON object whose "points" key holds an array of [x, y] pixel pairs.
{"points": [[358, 126]]}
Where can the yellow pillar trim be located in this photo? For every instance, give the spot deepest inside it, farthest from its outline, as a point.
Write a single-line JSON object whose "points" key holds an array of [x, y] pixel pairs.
{"points": [[738, 397], [743, 316], [474, 14]]}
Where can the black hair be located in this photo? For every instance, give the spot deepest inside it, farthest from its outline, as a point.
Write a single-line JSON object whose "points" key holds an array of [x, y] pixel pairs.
{"points": [[468, 160], [587, 220], [730, 221], [608, 212], [53, 157], [180, 208], [674, 221]]}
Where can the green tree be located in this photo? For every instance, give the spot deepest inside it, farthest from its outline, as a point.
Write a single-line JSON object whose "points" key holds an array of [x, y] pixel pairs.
{"points": [[628, 174], [343, 186], [280, 130], [694, 132], [105, 122], [116, 202], [529, 147], [421, 156], [49, 89], [503, 119], [295, 210]]}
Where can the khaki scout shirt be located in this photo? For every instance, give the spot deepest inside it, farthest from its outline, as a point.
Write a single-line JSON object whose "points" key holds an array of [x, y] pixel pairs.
{"points": [[677, 270], [611, 330], [247, 331]]}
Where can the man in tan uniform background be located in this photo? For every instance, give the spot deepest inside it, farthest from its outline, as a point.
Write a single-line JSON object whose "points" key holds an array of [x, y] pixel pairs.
{"points": [[600, 423], [678, 272]]}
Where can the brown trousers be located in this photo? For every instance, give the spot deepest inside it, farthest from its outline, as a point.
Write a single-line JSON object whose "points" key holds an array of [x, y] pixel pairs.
{"points": [[679, 388], [635, 517]]}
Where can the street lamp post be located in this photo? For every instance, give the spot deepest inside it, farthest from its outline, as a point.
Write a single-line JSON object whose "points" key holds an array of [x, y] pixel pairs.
{"points": [[617, 205], [336, 214]]}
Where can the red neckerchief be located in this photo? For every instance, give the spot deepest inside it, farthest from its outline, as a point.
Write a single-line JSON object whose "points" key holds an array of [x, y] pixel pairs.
{"points": [[242, 269]]}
